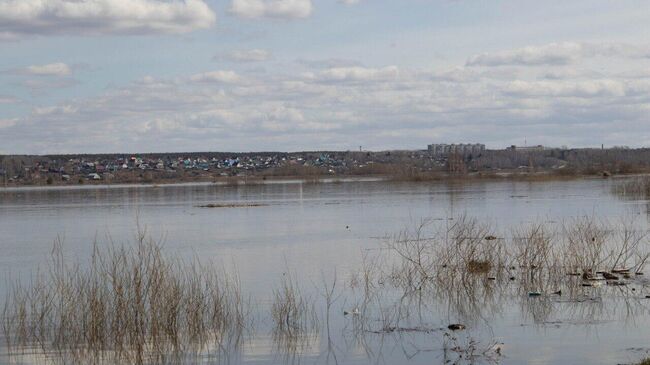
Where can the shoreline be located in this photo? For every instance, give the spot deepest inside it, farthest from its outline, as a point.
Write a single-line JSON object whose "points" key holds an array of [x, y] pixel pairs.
{"points": [[544, 176]]}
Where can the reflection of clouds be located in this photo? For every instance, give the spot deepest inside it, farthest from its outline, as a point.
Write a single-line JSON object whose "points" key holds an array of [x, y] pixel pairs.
{"points": [[269, 346], [259, 346]]}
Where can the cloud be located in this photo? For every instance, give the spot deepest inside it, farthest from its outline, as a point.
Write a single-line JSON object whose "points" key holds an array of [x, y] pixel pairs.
{"points": [[51, 69], [220, 76], [556, 54], [6, 99], [280, 9], [6, 123], [342, 107], [550, 54], [328, 63], [349, 2], [562, 88], [250, 55], [40, 79], [44, 85], [358, 73], [20, 18]]}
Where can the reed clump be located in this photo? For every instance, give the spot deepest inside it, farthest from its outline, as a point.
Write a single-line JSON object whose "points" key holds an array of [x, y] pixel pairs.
{"points": [[633, 188], [130, 305], [293, 313], [462, 247]]}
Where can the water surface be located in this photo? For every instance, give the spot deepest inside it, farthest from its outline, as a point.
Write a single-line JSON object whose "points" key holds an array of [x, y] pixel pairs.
{"points": [[311, 230]]}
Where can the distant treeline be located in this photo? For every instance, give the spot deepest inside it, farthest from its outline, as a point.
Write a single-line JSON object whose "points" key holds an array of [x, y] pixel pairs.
{"points": [[584, 161]]}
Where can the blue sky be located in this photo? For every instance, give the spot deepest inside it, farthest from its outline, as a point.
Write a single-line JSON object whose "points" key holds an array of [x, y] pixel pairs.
{"points": [[246, 75]]}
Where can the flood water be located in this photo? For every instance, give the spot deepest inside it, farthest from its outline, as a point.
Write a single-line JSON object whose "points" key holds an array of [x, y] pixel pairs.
{"points": [[312, 230]]}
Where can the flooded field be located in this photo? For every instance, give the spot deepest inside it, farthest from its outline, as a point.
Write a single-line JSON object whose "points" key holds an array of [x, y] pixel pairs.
{"points": [[365, 272]]}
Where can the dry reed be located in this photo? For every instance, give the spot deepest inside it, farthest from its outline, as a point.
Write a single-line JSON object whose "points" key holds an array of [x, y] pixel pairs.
{"points": [[130, 305]]}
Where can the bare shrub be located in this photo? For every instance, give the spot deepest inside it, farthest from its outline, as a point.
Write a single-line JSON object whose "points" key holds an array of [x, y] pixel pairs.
{"points": [[533, 247], [417, 256], [471, 246], [585, 247]]}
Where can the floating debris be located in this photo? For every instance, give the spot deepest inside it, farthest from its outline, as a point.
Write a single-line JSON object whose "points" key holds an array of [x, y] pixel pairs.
{"points": [[534, 294], [233, 205], [609, 276], [456, 327], [616, 283], [403, 329], [594, 284], [354, 312], [620, 271]]}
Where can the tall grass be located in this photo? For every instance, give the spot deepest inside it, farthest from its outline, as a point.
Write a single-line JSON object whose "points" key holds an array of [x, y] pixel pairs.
{"points": [[636, 188], [294, 314], [133, 305], [295, 320]]}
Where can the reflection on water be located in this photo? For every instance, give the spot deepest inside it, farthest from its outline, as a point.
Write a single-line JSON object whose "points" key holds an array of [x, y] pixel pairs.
{"points": [[314, 230]]}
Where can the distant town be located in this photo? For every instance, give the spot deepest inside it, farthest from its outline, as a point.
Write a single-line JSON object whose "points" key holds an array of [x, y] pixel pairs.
{"points": [[437, 161]]}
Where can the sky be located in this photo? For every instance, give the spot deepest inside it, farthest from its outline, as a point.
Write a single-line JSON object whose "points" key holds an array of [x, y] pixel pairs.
{"points": [[119, 76]]}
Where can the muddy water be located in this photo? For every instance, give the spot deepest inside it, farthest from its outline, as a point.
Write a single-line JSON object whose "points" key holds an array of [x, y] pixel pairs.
{"points": [[310, 230]]}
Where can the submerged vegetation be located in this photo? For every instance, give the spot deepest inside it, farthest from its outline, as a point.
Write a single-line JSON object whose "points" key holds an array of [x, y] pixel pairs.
{"points": [[293, 313], [136, 306], [133, 304], [583, 246], [636, 188]]}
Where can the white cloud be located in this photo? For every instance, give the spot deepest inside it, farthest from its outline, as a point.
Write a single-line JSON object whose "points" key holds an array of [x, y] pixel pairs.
{"points": [[251, 55], [562, 88], [219, 76], [340, 107], [349, 2], [56, 110], [5, 99], [555, 54], [51, 69], [6, 123], [358, 73], [96, 17], [550, 54], [282, 9]]}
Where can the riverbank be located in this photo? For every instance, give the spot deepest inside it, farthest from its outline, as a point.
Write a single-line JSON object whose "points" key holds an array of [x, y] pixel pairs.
{"points": [[235, 168], [315, 179]]}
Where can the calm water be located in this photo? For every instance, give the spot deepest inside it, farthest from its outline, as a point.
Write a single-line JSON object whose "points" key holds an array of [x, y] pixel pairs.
{"points": [[311, 229]]}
